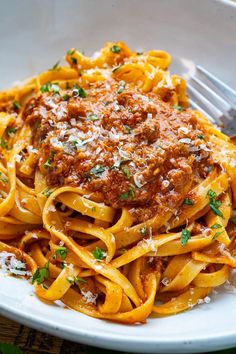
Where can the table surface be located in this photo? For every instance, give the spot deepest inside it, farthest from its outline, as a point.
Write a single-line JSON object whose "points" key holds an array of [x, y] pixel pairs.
{"points": [[31, 341]]}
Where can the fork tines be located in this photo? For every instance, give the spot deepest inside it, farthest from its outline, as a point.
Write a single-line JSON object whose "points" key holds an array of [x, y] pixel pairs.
{"points": [[219, 107]]}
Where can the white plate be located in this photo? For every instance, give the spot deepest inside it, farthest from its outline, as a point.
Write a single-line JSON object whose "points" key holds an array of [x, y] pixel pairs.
{"points": [[33, 36]]}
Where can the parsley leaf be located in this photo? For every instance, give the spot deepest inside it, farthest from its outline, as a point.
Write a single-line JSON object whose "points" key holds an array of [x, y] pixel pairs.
{"points": [[79, 91], [216, 211], [126, 172], [65, 97], [3, 178], [55, 66], [115, 49], [126, 195], [74, 60], [61, 252], [70, 51], [99, 254], [179, 108], [45, 87], [74, 280], [11, 131], [3, 143], [41, 274], [127, 129], [218, 233], [200, 137], [49, 87], [214, 204], [185, 236], [216, 226], [47, 192], [48, 163], [188, 202], [97, 170], [16, 105], [121, 87]]}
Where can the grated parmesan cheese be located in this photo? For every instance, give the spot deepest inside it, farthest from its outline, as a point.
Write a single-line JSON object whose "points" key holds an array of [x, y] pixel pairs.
{"points": [[89, 297], [165, 281], [10, 264]]}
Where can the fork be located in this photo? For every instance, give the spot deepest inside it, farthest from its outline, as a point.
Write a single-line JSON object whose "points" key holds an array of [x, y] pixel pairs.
{"points": [[215, 99]]}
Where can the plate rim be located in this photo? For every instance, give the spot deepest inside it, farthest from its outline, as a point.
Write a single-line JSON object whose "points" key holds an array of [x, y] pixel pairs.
{"points": [[117, 341], [113, 340]]}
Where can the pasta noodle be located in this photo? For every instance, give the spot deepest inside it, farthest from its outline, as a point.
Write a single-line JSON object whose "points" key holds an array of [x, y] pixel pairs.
{"points": [[115, 198]]}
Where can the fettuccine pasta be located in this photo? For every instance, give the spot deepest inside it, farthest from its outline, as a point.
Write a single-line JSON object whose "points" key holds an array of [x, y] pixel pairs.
{"points": [[115, 197]]}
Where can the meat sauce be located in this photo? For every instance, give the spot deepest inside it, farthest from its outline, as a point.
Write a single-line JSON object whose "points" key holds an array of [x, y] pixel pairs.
{"points": [[133, 148]]}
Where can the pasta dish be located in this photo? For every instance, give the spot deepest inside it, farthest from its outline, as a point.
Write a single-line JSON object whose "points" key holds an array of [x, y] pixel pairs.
{"points": [[115, 197]]}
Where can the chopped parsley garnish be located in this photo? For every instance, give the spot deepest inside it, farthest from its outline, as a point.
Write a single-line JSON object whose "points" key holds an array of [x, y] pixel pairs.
{"points": [[115, 49], [179, 108], [126, 172], [121, 87], [48, 163], [41, 274], [79, 91], [3, 178], [216, 226], [75, 280], [16, 105], [3, 143], [94, 209], [70, 51], [127, 129], [126, 195], [55, 66], [233, 219], [80, 280], [74, 60], [214, 203], [61, 252], [92, 117], [47, 192], [143, 231], [99, 254], [200, 137], [218, 233], [46, 87], [65, 97], [97, 170], [188, 201], [49, 87], [185, 236], [11, 131]]}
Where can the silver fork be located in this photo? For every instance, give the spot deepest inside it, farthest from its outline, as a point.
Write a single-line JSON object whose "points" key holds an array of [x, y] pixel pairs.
{"points": [[215, 99]]}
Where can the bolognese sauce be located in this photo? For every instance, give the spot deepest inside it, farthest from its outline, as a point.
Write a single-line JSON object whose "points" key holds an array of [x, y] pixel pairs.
{"points": [[132, 147]]}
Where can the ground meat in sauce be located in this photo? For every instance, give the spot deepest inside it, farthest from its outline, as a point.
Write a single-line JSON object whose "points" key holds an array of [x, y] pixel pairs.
{"points": [[133, 148]]}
